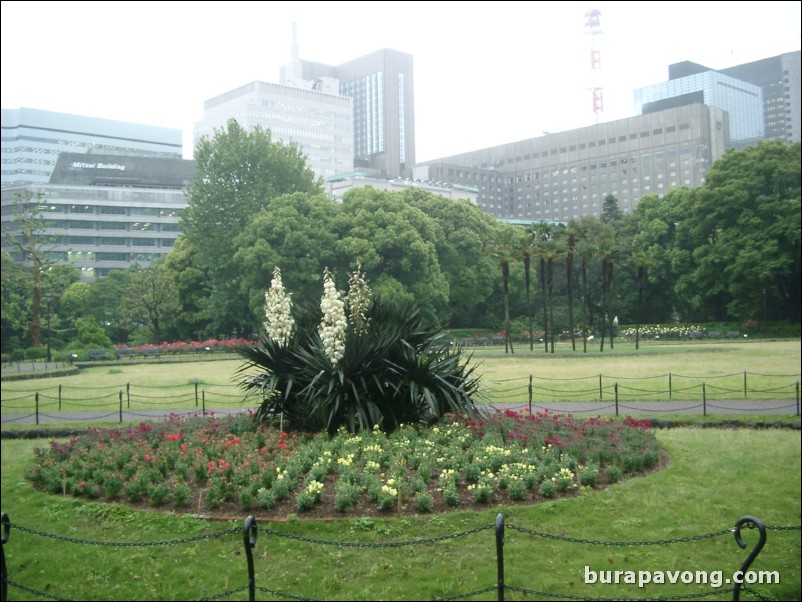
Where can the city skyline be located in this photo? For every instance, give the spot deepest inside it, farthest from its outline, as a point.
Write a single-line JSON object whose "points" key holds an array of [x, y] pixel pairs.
{"points": [[482, 77]]}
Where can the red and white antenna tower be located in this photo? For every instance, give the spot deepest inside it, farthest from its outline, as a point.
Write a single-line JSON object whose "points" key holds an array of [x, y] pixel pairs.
{"points": [[593, 29]]}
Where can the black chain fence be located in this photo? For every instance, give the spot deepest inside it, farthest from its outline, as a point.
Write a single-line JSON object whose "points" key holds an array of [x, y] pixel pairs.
{"points": [[739, 392], [250, 531]]}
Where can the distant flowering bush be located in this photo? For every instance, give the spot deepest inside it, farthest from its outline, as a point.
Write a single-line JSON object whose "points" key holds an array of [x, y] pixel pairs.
{"points": [[209, 345], [662, 331]]}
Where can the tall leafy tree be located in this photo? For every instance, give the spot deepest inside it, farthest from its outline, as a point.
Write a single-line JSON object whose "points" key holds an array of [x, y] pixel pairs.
{"points": [[460, 229], [27, 234], [396, 242], [239, 173], [151, 300], [105, 300], [17, 291], [297, 232], [742, 230]]}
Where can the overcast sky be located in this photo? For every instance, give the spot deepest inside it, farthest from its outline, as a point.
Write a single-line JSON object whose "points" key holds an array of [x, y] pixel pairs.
{"points": [[486, 73]]}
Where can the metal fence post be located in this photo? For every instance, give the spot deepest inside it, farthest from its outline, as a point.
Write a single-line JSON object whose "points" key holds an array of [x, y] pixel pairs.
{"points": [[500, 554], [249, 539], [203, 399], [3, 539], [128, 394], [121, 406], [59, 398], [616, 399], [669, 385], [745, 389], [36, 398], [530, 393], [600, 386], [704, 400], [751, 522]]}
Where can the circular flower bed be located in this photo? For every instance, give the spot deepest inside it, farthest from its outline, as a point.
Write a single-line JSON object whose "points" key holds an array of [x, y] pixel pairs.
{"points": [[230, 466]]}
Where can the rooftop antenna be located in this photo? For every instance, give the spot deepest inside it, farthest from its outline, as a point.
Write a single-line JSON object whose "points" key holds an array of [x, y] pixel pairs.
{"points": [[593, 29]]}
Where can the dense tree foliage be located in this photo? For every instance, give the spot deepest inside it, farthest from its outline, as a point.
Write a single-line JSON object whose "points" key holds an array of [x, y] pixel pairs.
{"points": [[239, 173], [150, 301], [726, 251], [741, 230]]}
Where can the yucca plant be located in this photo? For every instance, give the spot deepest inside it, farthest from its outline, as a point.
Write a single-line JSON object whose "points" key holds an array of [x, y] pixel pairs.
{"points": [[395, 366]]}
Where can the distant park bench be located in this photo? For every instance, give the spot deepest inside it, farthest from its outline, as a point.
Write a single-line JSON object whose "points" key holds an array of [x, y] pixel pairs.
{"points": [[696, 334], [96, 354], [714, 334], [124, 352], [733, 334], [150, 352]]}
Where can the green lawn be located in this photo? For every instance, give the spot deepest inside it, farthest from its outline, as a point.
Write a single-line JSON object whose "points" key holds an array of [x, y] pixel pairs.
{"points": [[713, 478]]}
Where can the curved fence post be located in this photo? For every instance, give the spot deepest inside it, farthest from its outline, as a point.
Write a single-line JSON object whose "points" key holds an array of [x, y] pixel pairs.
{"points": [[500, 554], [751, 522], [249, 539], [3, 539]]}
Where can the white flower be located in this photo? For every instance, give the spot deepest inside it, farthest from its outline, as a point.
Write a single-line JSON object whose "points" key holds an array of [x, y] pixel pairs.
{"points": [[358, 300], [278, 310], [333, 325]]}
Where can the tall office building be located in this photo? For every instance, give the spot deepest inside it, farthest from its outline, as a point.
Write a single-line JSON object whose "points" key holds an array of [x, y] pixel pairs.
{"points": [[106, 212], [317, 119], [778, 78], [567, 175], [742, 100], [381, 88], [32, 141]]}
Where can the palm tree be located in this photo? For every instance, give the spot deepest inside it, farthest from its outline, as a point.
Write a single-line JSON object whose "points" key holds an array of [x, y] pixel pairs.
{"points": [[541, 232], [548, 242], [586, 251], [527, 251], [572, 232], [552, 249], [607, 251], [504, 249], [642, 261]]}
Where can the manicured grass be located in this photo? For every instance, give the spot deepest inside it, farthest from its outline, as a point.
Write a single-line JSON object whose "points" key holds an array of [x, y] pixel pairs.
{"points": [[766, 369], [713, 478]]}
